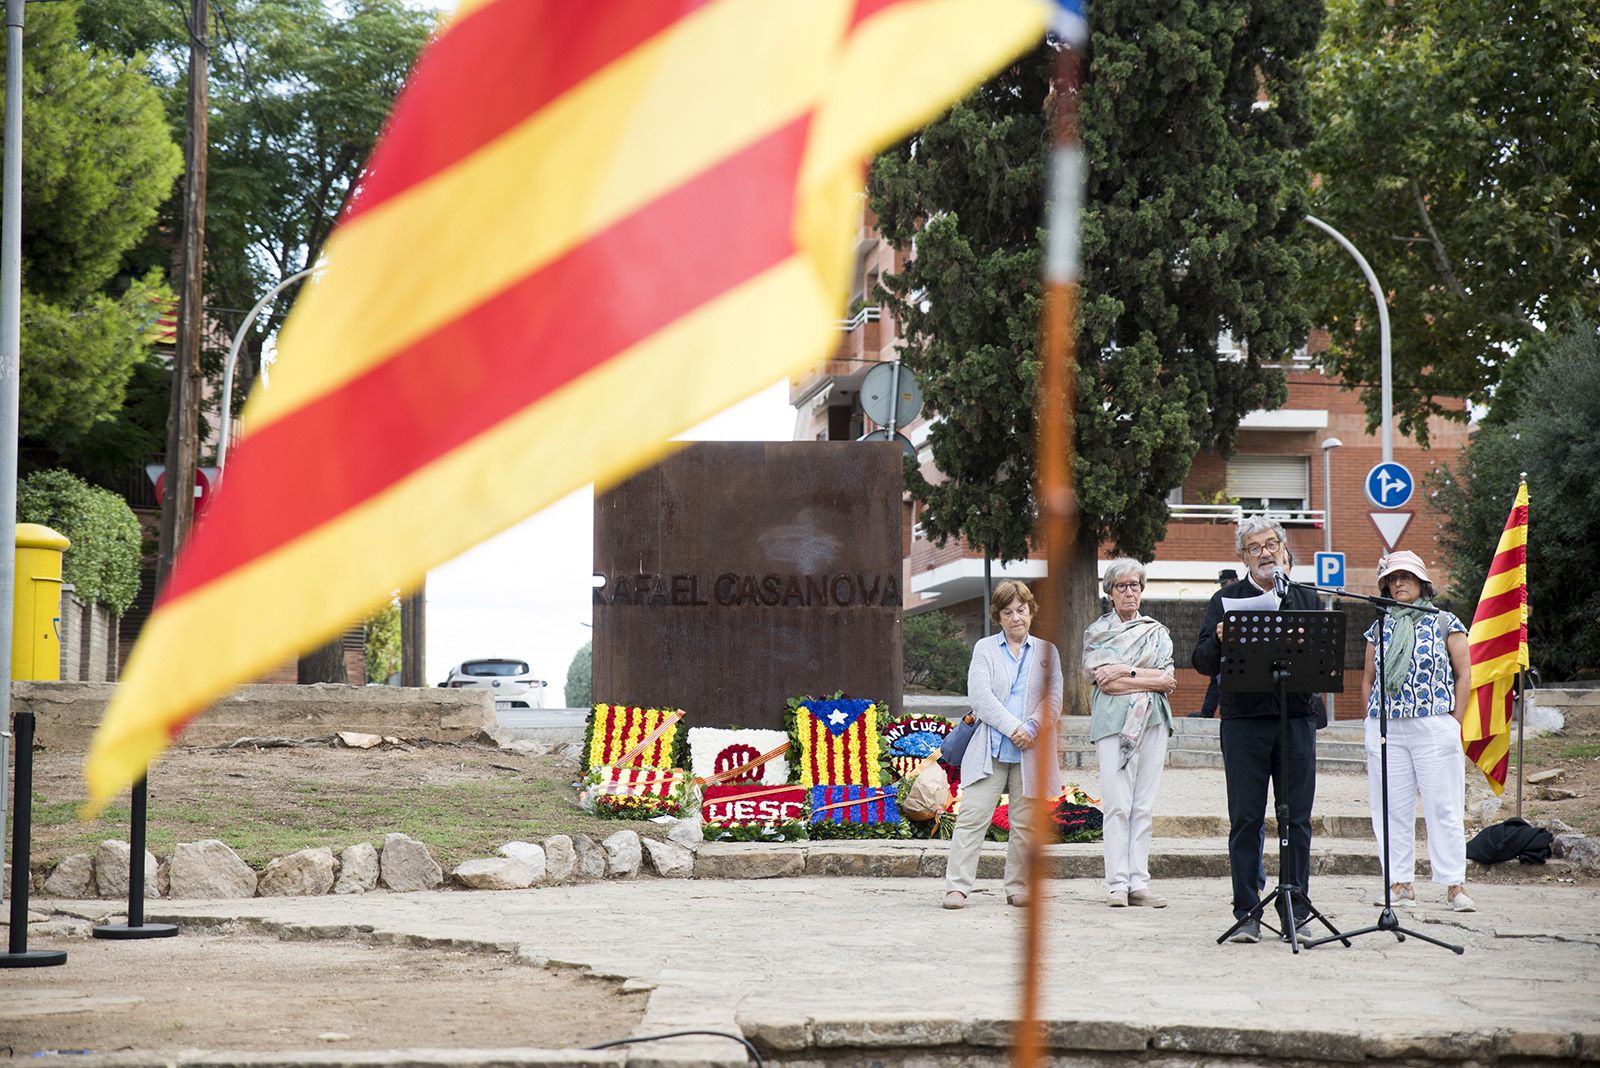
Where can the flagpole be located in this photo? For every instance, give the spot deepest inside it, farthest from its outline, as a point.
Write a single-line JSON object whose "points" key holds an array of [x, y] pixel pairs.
{"points": [[1522, 708], [1522, 674], [1056, 495]]}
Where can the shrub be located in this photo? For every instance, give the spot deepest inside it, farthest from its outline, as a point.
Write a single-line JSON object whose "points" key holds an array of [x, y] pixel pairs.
{"points": [[935, 652], [103, 562], [580, 678]]}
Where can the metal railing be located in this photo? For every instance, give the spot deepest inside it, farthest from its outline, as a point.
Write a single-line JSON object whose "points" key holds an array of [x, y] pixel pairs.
{"points": [[870, 314], [1232, 513]]}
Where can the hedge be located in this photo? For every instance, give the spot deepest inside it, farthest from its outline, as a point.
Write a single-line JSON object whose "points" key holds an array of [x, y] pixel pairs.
{"points": [[103, 562]]}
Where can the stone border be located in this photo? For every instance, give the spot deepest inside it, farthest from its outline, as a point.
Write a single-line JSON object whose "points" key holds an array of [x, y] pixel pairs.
{"points": [[209, 869]]}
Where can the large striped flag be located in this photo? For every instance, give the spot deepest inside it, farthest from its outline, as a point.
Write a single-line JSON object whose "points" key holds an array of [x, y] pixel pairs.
{"points": [[588, 227], [1498, 643]]}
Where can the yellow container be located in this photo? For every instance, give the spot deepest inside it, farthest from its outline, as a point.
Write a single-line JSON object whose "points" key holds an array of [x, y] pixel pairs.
{"points": [[36, 611]]}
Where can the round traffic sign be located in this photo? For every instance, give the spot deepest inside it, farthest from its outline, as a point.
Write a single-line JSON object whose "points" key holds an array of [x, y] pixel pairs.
{"points": [[202, 489], [877, 390], [1389, 485], [906, 447]]}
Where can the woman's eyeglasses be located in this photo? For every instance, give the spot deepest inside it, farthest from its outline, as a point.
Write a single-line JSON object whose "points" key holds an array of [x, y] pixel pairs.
{"points": [[1127, 587]]}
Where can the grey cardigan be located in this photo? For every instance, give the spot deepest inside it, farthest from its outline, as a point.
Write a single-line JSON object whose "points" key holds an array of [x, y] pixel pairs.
{"points": [[988, 684]]}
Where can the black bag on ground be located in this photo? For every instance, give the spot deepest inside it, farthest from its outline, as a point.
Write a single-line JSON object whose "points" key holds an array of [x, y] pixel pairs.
{"points": [[1513, 839]]}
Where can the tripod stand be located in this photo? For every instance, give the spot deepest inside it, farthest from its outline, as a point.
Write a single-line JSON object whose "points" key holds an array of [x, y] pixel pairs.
{"points": [[1280, 652], [1387, 919]]}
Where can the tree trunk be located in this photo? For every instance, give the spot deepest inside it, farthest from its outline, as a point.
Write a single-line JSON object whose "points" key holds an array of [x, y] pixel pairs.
{"points": [[324, 664], [1082, 594]]}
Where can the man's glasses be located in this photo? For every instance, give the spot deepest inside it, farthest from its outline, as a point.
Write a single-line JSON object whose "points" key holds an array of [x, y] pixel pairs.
{"points": [[1127, 587], [1266, 548]]}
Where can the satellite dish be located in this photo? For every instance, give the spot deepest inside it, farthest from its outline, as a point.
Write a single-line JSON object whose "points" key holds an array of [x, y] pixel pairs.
{"points": [[877, 394], [893, 435]]}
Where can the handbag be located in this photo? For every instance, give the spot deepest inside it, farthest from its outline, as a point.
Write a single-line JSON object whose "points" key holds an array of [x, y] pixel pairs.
{"points": [[955, 743]]}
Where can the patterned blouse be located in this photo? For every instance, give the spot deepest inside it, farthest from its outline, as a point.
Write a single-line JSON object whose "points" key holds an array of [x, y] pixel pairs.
{"points": [[1430, 686]]}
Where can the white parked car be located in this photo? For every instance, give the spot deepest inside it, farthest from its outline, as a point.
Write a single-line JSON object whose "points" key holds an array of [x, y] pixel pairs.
{"points": [[511, 680]]}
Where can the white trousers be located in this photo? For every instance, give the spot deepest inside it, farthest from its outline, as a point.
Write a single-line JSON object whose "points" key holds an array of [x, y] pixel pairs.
{"points": [[1425, 757], [978, 802], [1127, 802]]}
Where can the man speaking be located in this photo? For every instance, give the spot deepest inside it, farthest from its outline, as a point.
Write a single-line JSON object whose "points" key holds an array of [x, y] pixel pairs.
{"points": [[1249, 732]]}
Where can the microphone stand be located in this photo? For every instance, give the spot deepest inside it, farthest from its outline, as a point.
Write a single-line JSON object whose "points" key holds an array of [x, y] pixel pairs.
{"points": [[1387, 920]]}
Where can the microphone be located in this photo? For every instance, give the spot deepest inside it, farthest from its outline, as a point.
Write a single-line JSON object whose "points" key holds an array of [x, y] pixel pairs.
{"points": [[1280, 581]]}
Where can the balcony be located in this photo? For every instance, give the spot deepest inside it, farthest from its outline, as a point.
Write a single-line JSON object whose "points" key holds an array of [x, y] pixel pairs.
{"points": [[860, 342], [1232, 513]]}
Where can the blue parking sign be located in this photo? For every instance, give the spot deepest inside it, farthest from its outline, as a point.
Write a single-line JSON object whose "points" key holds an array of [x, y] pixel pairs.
{"points": [[1389, 485], [1330, 570]]}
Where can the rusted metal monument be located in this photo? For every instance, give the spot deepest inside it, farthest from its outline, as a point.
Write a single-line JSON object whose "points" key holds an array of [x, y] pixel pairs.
{"points": [[739, 574]]}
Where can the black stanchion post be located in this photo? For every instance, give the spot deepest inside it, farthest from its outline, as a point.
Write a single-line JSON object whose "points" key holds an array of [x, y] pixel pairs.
{"points": [[136, 927], [19, 955]]}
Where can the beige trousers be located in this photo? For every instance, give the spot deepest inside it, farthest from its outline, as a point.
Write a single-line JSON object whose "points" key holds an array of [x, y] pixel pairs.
{"points": [[978, 802]]}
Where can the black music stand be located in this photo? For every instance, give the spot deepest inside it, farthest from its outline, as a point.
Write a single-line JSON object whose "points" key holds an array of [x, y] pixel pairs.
{"points": [[1387, 920], [1283, 652]]}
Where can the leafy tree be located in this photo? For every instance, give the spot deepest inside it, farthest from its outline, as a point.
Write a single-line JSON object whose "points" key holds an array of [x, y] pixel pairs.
{"points": [[383, 642], [98, 160], [103, 561], [300, 90], [1192, 117], [1552, 438], [935, 651], [580, 678], [1455, 145]]}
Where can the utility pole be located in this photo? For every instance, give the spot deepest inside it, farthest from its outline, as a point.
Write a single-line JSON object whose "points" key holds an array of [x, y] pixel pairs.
{"points": [[183, 417], [414, 636]]}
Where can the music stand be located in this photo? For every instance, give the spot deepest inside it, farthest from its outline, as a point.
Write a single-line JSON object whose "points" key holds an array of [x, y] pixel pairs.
{"points": [[1283, 652]]}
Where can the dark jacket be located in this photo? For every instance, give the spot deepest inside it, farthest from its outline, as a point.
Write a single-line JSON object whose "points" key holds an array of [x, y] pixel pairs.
{"points": [[1207, 658]]}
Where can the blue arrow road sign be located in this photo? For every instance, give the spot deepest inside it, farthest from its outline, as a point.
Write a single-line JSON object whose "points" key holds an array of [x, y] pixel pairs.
{"points": [[1389, 485], [1330, 570]]}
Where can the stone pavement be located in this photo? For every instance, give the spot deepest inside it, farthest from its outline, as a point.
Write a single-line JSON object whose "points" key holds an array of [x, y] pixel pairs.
{"points": [[845, 969]]}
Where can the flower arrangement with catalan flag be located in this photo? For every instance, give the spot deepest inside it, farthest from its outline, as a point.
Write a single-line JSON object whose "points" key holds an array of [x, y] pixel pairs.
{"points": [[632, 762], [844, 767], [928, 787], [745, 793]]}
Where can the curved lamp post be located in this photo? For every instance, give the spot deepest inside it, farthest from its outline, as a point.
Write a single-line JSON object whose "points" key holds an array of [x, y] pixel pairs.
{"points": [[233, 357], [1387, 383]]}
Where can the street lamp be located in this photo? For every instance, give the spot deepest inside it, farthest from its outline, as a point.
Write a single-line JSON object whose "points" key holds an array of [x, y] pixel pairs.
{"points": [[233, 357], [1385, 368], [1328, 445]]}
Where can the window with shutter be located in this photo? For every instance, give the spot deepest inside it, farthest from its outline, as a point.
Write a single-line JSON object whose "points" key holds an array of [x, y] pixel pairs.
{"points": [[1272, 483]]}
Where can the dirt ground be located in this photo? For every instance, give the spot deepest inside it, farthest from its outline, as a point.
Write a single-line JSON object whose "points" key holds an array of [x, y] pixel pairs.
{"points": [[1575, 753], [241, 991], [464, 800]]}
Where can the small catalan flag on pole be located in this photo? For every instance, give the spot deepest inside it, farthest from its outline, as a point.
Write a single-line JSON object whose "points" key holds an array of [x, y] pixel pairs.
{"points": [[1498, 646]]}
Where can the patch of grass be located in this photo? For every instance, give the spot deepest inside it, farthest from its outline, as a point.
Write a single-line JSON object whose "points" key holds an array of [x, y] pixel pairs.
{"points": [[1581, 751], [261, 820]]}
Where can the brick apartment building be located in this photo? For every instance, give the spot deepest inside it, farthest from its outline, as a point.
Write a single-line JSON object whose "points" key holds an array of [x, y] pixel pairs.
{"points": [[1277, 469]]}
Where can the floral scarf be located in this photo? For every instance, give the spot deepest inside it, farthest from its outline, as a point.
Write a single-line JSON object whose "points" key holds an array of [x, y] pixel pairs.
{"points": [[1141, 642]]}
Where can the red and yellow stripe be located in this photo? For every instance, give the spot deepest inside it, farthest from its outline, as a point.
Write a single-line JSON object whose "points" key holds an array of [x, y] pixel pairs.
{"points": [[1498, 644], [587, 228]]}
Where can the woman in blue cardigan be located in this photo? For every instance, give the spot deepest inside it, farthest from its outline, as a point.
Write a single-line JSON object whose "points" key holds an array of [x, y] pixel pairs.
{"points": [[1014, 680]]}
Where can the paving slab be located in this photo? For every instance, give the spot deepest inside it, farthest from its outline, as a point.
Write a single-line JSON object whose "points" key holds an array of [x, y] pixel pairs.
{"points": [[826, 970]]}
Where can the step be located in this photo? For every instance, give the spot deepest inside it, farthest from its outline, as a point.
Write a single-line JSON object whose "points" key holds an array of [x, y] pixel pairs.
{"points": [[1170, 858]]}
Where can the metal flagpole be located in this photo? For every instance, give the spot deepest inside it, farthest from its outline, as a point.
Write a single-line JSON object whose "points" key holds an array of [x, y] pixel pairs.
{"points": [[1522, 709], [10, 373], [1056, 495], [1522, 674]]}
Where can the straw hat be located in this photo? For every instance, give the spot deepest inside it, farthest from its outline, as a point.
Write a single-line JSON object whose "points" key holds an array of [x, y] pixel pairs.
{"points": [[1404, 560]]}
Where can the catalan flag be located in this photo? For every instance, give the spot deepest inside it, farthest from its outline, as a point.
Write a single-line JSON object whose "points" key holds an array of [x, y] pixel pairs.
{"points": [[1498, 645], [588, 227]]}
